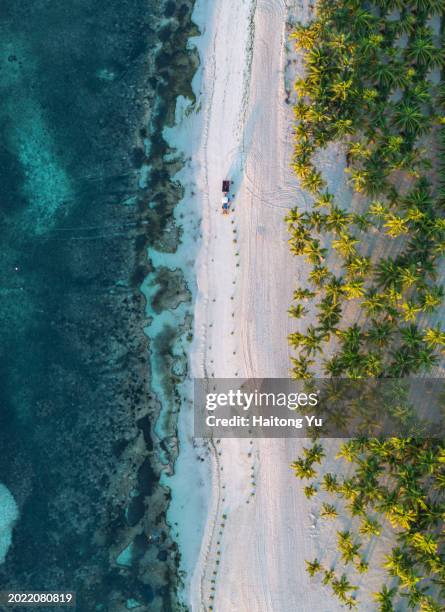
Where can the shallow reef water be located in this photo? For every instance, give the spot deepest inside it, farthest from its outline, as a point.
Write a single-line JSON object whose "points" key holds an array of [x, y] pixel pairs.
{"points": [[85, 192]]}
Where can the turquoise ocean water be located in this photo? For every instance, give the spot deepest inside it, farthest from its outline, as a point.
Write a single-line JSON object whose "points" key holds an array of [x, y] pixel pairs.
{"points": [[86, 88]]}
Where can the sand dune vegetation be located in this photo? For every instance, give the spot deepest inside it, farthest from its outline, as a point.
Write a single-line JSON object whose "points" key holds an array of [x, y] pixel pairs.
{"points": [[374, 82]]}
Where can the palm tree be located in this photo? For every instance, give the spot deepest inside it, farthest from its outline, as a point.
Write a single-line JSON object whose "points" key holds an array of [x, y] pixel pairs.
{"points": [[400, 77], [410, 310], [428, 604], [433, 7], [303, 468], [334, 366], [369, 46], [362, 566], [420, 93], [301, 367], [350, 450], [432, 298], [312, 567], [393, 298], [330, 483], [422, 51], [378, 209], [425, 359], [345, 245], [328, 511], [359, 266], [334, 289], [304, 133], [310, 491], [359, 179], [299, 240], [340, 41], [316, 221], [380, 332], [434, 337], [342, 586], [414, 597], [370, 527], [303, 294], [328, 316], [387, 273], [409, 275], [388, 6], [398, 564], [372, 364], [376, 174], [384, 75], [311, 341], [313, 181], [402, 363], [359, 150], [427, 461], [328, 576], [406, 24], [300, 167], [315, 453], [349, 602], [297, 311], [384, 598], [374, 303], [294, 217], [324, 200], [412, 336], [317, 114], [343, 127], [354, 289], [420, 196], [304, 36], [301, 110], [295, 339], [426, 544], [351, 337], [341, 89], [337, 220], [318, 275], [362, 222], [363, 22], [395, 225], [409, 118], [314, 253]]}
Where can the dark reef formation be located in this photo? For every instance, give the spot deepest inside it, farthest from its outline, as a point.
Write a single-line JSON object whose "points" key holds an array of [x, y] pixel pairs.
{"points": [[87, 88]]}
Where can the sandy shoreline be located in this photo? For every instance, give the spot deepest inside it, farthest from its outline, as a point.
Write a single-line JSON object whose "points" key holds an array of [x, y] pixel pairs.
{"points": [[245, 278]]}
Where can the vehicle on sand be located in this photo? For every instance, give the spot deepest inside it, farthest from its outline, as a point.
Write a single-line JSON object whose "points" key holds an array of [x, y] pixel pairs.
{"points": [[226, 199]]}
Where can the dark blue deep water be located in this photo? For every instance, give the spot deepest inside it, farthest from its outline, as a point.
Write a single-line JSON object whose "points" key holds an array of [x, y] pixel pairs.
{"points": [[85, 87]]}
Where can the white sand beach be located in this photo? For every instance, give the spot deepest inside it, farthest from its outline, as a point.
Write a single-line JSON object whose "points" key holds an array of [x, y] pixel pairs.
{"points": [[245, 280], [246, 276]]}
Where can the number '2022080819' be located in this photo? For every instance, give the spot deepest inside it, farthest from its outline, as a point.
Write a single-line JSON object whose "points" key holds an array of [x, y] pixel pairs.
{"points": [[37, 598]]}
